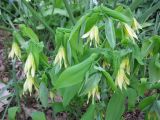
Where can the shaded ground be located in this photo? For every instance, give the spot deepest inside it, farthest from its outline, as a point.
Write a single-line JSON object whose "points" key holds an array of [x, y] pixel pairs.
{"points": [[4, 38]]}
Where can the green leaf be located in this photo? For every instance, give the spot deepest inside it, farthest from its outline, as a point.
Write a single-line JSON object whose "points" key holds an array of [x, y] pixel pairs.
{"points": [[74, 37], [115, 14], [75, 74], [12, 113], [36, 48], [142, 87], [132, 97], [91, 20], [146, 48], [43, 94], [49, 11], [58, 107], [157, 108], [110, 33], [154, 71], [28, 32], [18, 37], [109, 80], [146, 102], [91, 83], [43, 60], [69, 92], [157, 63], [149, 12], [61, 37], [137, 53], [135, 4], [89, 115], [118, 100], [38, 116]]}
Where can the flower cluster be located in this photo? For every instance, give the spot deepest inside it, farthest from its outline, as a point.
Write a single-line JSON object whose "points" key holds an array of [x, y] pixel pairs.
{"points": [[29, 70]]}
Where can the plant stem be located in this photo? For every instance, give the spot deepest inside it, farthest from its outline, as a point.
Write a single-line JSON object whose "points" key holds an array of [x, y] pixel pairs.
{"points": [[5, 29], [69, 11], [15, 81]]}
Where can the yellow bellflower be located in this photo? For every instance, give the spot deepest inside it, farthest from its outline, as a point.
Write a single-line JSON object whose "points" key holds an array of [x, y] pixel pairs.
{"points": [[93, 36], [121, 78], [30, 66], [15, 51], [60, 57], [94, 93], [130, 32], [28, 84]]}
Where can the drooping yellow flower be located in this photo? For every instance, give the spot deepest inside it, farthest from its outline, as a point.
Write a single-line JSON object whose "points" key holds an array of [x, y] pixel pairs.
{"points": [[93, 35], [130, 32], [15, 51], [28, 84], [30, 66], [121, 78], [94, 93], [61, 57], [136, 25]]}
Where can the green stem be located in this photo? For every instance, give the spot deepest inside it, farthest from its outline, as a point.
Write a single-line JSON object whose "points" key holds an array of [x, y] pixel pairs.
{"points": [[5, 29], [15, 81], [69, 11], [38, 17]]}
